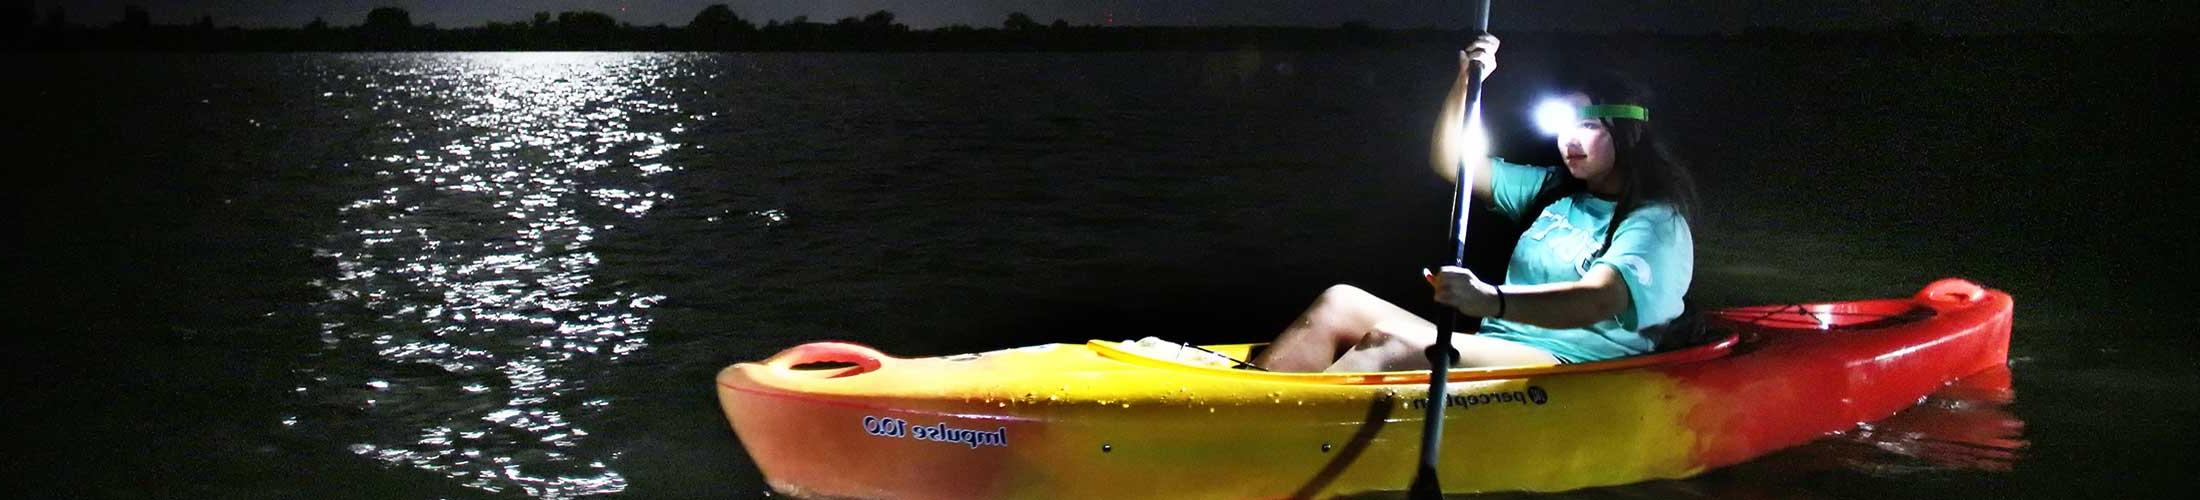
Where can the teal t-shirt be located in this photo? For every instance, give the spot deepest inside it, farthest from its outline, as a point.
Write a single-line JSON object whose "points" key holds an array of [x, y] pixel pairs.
{"points": [[1653, 253]]}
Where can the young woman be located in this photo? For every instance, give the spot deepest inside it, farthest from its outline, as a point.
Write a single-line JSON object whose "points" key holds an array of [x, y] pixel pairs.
{"points": [[1608, 255]]}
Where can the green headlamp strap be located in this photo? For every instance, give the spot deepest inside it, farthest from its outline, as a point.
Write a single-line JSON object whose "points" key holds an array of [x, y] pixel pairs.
{"points": [[1628, 111]]}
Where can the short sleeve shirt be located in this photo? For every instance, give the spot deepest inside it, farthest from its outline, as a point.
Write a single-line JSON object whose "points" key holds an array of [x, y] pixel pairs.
{"points": [[1653, 252]]}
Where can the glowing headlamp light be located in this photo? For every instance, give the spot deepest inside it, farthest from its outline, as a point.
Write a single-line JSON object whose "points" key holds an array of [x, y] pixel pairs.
{"points": [[1557, 115]]}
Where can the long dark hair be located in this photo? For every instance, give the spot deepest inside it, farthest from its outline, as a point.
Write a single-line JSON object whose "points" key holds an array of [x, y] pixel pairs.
{"points": [[1649, 173]]}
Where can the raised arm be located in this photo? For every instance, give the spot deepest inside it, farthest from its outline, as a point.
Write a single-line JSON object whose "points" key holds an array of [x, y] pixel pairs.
{"points": [[1451, 144]]}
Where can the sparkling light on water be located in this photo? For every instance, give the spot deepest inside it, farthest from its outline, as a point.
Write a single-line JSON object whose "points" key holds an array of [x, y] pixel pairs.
{"points": [[465, 321]]}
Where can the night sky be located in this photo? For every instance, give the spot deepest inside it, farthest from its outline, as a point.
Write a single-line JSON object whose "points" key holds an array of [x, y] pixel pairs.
{"points": [[1693, 16]]}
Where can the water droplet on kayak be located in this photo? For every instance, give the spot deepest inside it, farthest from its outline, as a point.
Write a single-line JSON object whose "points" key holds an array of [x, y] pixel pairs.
{"points": [[1126, 405], [1004, 404]]}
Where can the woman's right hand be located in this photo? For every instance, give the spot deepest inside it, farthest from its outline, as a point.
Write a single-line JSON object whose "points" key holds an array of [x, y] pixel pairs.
{"points": [[1450, 151], [1483, 49]]}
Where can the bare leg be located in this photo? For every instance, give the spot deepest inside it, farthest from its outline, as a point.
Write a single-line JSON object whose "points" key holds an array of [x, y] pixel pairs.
{"points": [[1400, 345], [1336, 321]]}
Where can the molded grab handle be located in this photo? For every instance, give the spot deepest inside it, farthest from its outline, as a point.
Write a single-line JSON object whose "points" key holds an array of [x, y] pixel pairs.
{"points": [[864, 359], [1952, 290]]}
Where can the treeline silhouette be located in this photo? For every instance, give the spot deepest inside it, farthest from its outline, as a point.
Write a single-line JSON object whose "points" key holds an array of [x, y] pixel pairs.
{"points": [[715, 28], [719, 28]]}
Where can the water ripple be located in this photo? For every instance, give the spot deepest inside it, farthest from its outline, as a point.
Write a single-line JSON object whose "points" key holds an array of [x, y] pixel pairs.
{"points": [[464, 319]]}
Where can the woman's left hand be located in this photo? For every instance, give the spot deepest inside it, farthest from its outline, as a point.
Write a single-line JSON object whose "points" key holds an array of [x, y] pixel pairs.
{"points": [[1457, 287]]}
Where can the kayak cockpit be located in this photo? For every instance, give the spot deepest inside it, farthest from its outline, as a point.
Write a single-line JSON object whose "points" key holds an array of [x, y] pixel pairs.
{"points": [[1124, 352]]}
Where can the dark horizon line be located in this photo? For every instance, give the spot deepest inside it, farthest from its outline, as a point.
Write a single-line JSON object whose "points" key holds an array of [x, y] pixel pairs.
{"points": [[1887, 28], [28, 22], [392, 30]]}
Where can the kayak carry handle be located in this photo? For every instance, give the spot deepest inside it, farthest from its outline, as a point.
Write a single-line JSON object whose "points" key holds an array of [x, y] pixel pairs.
{"points": [[1958, 291], [826, 360]]}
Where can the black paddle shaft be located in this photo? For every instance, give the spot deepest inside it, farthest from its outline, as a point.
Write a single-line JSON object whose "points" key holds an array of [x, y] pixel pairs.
{"points": [[1441, 354]]}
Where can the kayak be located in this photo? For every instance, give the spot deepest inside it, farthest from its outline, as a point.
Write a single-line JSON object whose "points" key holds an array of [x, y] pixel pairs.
{"points": [[1117, 419]]}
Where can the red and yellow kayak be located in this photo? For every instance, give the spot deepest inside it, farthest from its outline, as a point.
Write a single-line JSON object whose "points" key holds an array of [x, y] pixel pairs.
{"points": [[1105, 420]]}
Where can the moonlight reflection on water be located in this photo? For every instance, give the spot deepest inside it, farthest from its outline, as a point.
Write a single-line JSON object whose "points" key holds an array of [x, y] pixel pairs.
{"points": [[464, 316]]}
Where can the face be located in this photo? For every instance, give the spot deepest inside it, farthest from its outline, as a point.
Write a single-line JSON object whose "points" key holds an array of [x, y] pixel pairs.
{"points": [[1587, 147]]}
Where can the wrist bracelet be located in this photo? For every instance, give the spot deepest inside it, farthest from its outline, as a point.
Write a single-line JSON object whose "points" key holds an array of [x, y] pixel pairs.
{"points": [[1500, 301]]}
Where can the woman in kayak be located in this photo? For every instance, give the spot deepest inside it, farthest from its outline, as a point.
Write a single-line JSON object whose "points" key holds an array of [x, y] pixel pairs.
{"points": [[1608, 255]]}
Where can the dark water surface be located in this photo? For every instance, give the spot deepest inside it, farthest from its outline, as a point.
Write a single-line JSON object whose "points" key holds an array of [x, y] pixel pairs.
{"points": [[481, 275]]}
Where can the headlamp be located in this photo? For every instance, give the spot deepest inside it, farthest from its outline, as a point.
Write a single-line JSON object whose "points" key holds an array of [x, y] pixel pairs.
{"points": [[1556, 115]]}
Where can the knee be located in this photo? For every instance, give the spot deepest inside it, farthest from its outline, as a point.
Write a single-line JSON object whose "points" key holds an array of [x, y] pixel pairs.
{"points": [[1342, 294], [1337, 308]]}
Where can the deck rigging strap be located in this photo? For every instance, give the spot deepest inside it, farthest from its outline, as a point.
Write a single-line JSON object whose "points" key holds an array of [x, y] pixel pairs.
{"points": [[1236, 364]]}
